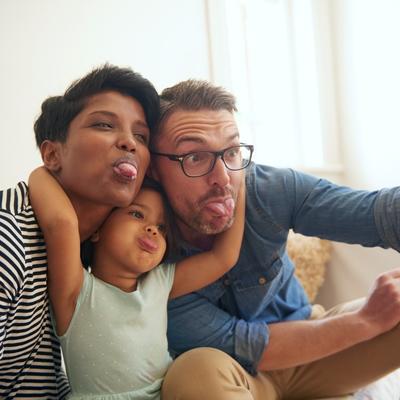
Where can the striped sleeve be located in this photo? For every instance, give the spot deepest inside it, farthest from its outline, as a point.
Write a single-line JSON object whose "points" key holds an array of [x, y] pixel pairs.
{"points": [[30, 359], [12, 260]]}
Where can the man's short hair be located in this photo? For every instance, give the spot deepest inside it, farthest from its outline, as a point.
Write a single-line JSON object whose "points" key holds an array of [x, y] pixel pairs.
{"points": [[193, 95], [57, 112]]}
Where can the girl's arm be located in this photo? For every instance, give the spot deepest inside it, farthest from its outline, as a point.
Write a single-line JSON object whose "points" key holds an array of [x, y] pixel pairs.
{"points": [[197, 271], [59, 224]]}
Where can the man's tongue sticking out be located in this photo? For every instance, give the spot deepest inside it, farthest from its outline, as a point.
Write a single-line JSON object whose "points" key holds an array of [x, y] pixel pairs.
{"points": [[221, 208]]}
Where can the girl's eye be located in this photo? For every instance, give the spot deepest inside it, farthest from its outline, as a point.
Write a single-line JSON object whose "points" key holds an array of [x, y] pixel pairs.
{"points": [[162, 228], [136, 214]]}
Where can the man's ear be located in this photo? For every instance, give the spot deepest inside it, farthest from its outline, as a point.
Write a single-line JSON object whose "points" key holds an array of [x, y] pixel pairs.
{"points": [[95, 237], [50, 152]]}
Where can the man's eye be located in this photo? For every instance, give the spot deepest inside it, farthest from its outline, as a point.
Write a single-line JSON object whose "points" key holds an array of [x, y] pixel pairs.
{"points": [[136, 214], [195, 158], [232, 153]]}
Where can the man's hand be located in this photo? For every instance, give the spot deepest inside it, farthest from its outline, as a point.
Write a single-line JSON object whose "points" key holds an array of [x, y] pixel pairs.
{"points": [[382, 308], [294, 343]]}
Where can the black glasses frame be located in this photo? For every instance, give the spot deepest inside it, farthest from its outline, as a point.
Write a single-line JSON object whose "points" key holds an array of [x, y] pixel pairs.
{"points": [[181, 158]]}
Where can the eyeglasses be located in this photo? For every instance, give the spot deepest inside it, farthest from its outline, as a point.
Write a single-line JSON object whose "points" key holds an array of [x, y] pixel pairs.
{"points": [[199, 163]]}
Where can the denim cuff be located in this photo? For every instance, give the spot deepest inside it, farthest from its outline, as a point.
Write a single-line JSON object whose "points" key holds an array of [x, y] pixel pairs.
{"points": [[251, 339], [387, 217]]}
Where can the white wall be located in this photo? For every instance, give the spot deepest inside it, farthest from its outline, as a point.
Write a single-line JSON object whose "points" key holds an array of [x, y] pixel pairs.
{"points": [[368, 70], [46, 44], [368, 62]]}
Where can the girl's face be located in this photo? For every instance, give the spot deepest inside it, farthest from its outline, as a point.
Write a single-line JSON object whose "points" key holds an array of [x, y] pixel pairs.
{"points": [[132, 240]]}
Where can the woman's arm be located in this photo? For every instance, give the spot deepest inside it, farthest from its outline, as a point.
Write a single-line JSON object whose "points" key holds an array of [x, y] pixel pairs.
{"points": [[59, 224], [197, 271]]}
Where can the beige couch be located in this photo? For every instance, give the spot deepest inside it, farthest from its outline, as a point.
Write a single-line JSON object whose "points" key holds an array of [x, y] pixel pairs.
{"points": [[311, 257]]}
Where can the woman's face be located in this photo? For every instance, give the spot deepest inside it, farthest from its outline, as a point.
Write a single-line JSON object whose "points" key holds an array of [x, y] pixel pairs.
{"points": [[105, 156]]}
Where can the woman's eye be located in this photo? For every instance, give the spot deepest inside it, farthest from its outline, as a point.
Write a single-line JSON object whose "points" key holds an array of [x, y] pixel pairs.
{"points": [[142, 138], [102, 125], [136, 214]]}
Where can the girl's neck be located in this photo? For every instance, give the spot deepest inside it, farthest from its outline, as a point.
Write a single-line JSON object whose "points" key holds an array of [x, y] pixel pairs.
{"points": [[127, 283]]}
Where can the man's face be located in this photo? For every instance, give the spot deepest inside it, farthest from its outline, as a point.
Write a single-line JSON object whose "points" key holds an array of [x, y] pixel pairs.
{"points": [[105, 156], [203, 204]]}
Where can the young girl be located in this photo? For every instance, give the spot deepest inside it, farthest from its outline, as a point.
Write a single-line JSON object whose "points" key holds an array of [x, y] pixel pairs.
{"points": [[112, 321]]}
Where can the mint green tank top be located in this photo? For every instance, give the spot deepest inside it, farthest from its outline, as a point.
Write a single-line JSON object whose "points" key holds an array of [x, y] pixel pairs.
{"points": [[116, 344]]}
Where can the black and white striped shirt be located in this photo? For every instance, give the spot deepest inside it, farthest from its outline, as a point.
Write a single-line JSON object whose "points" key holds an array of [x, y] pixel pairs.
{"points": [[30, 359]]}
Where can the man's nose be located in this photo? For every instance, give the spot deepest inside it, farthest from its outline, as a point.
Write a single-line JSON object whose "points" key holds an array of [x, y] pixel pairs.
{"points": [[126, 142], [219, 174]]}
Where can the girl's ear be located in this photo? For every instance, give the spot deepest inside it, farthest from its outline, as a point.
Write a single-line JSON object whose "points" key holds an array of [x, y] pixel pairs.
{"points": [[50, 152], [95, 237]]}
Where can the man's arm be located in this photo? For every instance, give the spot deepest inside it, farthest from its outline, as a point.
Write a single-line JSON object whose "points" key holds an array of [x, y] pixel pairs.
{"points": [[300, 342], [59, 223], [195, 320], [317, 207], [195, 272]]}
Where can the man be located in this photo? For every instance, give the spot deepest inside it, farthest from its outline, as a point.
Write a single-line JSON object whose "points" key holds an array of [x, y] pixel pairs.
{"points": [[94, 140], [274, 344]]}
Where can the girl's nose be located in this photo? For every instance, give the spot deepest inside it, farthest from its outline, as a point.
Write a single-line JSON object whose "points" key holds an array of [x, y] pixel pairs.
{"points": [[152, 230]]}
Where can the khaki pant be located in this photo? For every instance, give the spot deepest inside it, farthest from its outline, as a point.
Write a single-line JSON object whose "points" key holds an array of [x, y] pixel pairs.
{"points": [[210, 374]]}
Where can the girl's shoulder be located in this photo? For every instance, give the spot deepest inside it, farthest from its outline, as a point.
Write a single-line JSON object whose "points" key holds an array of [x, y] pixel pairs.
{"points": [[162, 276]]}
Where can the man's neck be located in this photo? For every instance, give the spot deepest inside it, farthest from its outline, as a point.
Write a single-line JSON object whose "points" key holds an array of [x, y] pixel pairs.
{"points": [[194, 238]]}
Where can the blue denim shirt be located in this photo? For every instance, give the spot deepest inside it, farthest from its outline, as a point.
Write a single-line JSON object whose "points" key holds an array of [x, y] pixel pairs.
{"points": [[233, 313]]}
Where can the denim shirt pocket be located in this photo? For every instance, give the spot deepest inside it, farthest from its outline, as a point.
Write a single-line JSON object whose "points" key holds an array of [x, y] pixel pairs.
{"points": [[213, 292], [256, 290]]}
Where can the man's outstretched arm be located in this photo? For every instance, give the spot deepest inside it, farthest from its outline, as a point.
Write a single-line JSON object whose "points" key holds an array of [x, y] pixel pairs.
{"points": [[299, 342]]}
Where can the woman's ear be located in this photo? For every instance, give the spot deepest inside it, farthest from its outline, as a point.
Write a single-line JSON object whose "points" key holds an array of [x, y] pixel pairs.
{"points": [[95, 237], [50, 152]]}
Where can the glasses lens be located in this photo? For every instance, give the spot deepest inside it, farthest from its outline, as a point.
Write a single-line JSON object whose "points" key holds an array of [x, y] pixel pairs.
{"points": [[197, 164], [237, 157], [202, 162]]}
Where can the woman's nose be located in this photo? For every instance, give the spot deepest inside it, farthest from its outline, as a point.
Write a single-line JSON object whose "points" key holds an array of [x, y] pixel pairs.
{"points": [[126, 142]]}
